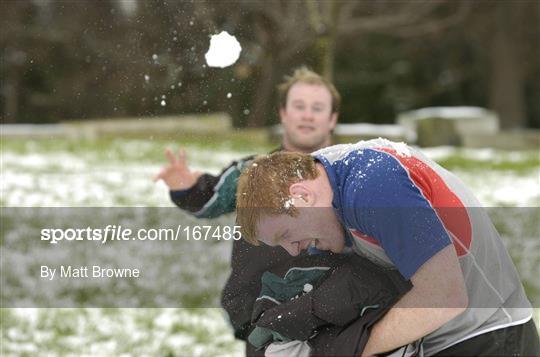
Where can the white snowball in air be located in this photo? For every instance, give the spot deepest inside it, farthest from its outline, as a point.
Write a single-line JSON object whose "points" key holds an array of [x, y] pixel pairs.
{"points": [[229, 95], [163, 103], [308, 288], [224, 50]]}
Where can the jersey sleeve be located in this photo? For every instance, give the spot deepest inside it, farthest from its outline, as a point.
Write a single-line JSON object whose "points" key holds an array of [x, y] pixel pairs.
{"points": [[384, 203], [211, 196]]}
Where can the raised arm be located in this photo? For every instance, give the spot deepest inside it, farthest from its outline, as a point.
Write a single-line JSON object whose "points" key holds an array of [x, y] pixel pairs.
{"points": [[202, 195], [176, 174]]}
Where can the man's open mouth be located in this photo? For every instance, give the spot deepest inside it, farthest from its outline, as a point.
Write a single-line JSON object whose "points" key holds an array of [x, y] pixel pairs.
{"points": [[306, 129]]}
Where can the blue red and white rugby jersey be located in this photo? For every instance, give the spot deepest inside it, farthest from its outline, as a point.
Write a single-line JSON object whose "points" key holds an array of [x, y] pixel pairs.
{"points": [[402, 208]]}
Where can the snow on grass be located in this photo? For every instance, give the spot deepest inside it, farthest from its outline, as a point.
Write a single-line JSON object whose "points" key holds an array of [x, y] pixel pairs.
{"points": [[484, 154], [497, 178], [504, 189], [118, 173], [114, 176], [113, 332]]}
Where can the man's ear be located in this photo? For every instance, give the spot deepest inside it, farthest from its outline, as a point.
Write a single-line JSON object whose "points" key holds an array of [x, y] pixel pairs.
{"points": [[302, 194], [333, 120], [282, 114]]}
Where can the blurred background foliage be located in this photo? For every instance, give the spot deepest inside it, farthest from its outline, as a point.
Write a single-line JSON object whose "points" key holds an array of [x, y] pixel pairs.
{"points": [[65, 60]]}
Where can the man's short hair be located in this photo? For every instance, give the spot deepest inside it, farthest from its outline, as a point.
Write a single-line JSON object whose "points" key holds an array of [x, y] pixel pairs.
{"points": [[263, 188], [304, 75]]}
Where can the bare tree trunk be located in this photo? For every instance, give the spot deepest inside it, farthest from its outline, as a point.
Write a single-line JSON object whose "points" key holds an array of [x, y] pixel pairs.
{"points": [[331, 35], [11, 108], [506, 93], [263, 101], [323, 20]]}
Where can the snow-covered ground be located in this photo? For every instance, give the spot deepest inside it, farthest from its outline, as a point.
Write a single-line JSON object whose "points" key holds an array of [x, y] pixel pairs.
{"points": [[495, 188], [113, 332], [120, 175]]}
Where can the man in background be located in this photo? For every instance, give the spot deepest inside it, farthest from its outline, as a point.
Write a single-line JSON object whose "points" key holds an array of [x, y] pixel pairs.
{"points": [[308, 111]]}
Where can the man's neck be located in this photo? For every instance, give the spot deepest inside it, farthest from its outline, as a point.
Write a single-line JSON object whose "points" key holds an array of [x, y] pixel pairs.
{"points": [[289, 148], [286, 147]]}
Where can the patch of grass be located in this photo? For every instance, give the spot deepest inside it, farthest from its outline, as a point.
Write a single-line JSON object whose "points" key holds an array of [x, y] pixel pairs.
{"points": [[148, 148], [190, 331], [148, 332], [527, 162]]}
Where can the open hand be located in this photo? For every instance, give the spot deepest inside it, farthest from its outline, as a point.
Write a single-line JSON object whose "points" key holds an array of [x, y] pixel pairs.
{"points": [[176, 174]]}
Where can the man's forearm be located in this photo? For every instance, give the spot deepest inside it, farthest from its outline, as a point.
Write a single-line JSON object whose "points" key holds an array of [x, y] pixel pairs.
{"points": [[438, 296], [401, 326]]}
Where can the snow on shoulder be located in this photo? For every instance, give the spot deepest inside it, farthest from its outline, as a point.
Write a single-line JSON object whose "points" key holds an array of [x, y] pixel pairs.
{"points": [[332, 154]]}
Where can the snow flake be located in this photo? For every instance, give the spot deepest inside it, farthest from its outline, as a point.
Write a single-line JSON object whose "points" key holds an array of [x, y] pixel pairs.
{"points": [[289, 203], [224, 50]]}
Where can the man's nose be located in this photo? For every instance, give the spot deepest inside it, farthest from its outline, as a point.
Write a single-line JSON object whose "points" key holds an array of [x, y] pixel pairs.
{"points": [[307, 115]]}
